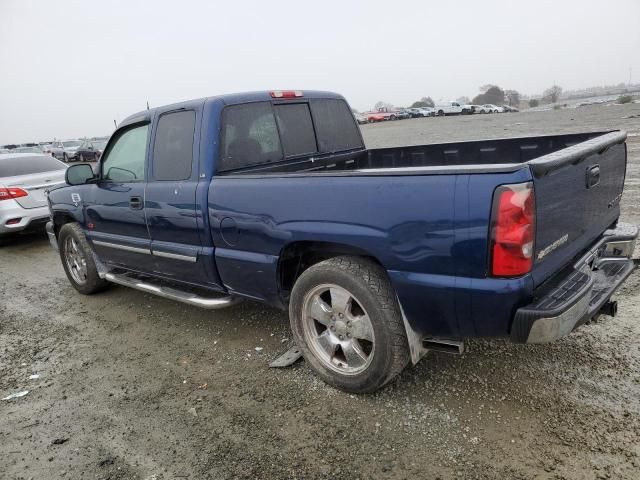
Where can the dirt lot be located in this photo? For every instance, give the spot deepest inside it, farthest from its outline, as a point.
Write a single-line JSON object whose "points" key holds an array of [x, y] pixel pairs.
{"points": [[133, 386]]}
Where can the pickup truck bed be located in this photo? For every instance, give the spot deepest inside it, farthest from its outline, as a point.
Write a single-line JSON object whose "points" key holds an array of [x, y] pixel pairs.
{"points": [[450, 188], [515, 237]]}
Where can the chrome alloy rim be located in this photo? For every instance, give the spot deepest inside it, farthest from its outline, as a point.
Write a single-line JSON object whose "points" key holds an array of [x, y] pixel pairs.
{"points": [[337, 329], [76, 263]]}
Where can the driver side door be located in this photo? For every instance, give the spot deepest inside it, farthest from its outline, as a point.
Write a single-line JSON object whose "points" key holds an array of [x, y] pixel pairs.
{"points": [[116, 222]]}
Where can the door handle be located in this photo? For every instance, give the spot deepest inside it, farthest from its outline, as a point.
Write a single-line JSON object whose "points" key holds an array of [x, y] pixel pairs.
{"points": [[135, 203]]}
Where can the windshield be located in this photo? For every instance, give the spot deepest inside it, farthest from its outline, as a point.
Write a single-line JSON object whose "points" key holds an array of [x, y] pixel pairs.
{"points": [[72, 143], [99, 145], [11, 167]]}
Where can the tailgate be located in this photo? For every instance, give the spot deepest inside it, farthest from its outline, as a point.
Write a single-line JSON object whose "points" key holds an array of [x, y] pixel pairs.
{"points": [[578, 191]]}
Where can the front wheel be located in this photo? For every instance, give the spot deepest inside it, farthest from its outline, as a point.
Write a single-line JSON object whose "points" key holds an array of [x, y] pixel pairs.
{"points": [[77, 260], [347, 322]]}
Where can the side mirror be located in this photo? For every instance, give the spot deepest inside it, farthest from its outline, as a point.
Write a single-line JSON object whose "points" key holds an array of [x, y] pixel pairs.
{"points": [[79, 174]]}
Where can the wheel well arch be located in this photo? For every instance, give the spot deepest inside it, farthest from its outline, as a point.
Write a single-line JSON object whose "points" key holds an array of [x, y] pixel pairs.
{"points": [[59, 219], [296, 257]]}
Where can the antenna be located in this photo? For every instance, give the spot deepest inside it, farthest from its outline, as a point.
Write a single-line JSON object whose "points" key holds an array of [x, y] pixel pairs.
{"points": [[114, 123], [147, 104]]}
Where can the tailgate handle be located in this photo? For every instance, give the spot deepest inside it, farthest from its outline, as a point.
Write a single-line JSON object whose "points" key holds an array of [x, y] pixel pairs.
{"points": [[593, 176]]}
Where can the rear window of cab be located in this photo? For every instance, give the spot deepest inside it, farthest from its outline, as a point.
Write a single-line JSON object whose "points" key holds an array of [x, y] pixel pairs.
{"points": [[261, 132]]}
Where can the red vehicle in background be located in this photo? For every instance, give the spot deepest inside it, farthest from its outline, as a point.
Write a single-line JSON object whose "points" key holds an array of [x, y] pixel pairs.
{"points": [[381, 115]]}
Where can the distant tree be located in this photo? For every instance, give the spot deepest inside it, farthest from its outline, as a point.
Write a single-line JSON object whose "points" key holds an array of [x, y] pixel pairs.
{"points": [[485, 88], [625, 99], [463, 100], [382, 104], [494, 95], [552, 94], [423, 102], [534, 102], [428, 101], [512, 97]]}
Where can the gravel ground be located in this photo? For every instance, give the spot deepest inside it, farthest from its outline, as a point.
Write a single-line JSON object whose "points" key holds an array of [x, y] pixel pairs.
{"points": [[134, 386]]}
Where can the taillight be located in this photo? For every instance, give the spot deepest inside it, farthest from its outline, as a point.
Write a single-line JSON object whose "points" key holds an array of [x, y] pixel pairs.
{"points": [[286, 94], [512, 230], [12, 192]]}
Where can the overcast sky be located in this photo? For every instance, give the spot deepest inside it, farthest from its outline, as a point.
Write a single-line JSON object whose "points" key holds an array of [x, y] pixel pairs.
{"points": [[69, 68]]}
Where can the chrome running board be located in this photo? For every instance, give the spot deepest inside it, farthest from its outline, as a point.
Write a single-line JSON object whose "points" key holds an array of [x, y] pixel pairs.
{"points": [[171, 293]]}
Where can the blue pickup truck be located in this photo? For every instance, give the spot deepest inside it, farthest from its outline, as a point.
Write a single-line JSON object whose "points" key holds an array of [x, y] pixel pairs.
{"points": [[380, 255]]}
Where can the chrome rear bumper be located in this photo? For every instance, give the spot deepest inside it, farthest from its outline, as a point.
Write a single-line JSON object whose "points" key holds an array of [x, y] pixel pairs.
{"points": [[569, 302]]}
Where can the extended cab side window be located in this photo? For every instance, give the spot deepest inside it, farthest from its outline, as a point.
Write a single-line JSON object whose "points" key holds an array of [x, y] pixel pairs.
{"points": [[249, 136], [173, 147], [124, 161], [296, 129], [335, 127]]}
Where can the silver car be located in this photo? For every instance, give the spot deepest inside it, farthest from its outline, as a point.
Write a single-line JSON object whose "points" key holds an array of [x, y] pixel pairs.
{"points": [[70, 150], [24, 181]]}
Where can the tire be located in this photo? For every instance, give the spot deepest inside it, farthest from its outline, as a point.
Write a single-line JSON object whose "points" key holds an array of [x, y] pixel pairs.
{"points": [[77, 260], [441, 113], [346, 321]]}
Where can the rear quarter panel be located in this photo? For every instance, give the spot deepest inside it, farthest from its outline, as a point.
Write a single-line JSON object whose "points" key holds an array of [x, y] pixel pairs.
{"points": [[428, 231]]}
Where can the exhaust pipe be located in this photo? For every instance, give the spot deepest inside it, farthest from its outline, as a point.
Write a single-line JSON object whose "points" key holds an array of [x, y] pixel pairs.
{"points": [[610, 308]]}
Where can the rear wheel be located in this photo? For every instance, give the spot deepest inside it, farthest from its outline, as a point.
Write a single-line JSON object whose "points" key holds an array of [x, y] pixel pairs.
{"points": [[346, 320], [77, 260], [441, 112]]}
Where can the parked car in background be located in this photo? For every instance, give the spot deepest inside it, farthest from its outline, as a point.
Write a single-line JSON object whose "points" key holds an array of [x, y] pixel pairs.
{"points": [[382, 114], [69, 150], [24, 179], [403, 114], [422, 112], [491, 108], [56, 149], [452, 108], [90, 150], [509, 108], [428, 111], [360, 118], [4, 150], [479, 109]]}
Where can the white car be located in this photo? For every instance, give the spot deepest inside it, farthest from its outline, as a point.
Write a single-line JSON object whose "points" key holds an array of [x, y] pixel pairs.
{"points": [[427, 111], [24, 181], [491, 108]]}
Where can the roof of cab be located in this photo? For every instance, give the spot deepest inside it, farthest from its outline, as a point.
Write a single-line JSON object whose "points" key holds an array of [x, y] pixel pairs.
{"points": [[227, 99]]}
